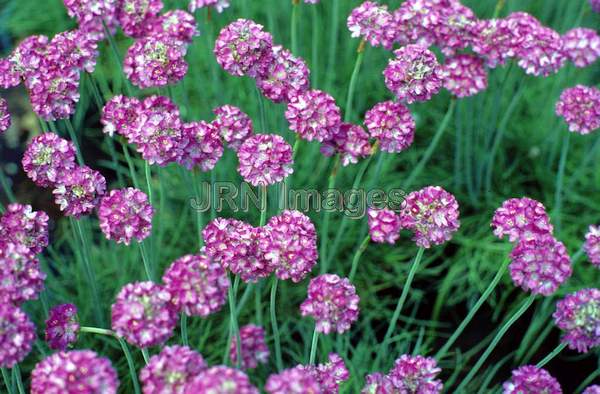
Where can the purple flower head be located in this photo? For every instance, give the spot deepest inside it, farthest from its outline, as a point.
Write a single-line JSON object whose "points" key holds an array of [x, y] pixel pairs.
{"points": [[431, 214], [286, 77], [243, 48], [74, 49], [595, 389], [392, 125], [5, 121], [378, 383], [21, 278], [24, 61], [373, 23], [265, 159], [219, 5], [10, 76], [415, 21], [62, 326], [414, 74], [47, 158], [384, 225], [125, 214], [592, 245], [54, 93], [74, 372], [136, 16], [455, 29], [254, 348], [464, 75], [119, 115], [289, 242], [350, 141], [79, 191], [415, 374], [540, 265], [234, 126], [493, 40], [221, 380], [143, 314], [20, 224], [170, 371], [297, 380], [581, 46], [91, 13], [580, 107], [314, 115], [198, 286], [332, 302], [578, 316], [595, 5], [177, 25], [521, 219], [531, 379], [330, 375], [200, 146], [17, 334]]}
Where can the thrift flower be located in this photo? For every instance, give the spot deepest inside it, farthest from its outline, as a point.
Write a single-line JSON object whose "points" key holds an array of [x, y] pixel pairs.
{"points": [[125, 214], [233, 125], [350, 141], [177, 25], [171, 370], [464, 75], [578, 316], [372, 22], [592, 245], [20, 224], [531, 379], [297, 380], [136, 16], [595, 389], [581, 46], [253, 346], [17, 334], [384, 225], [119, 115], [415, 374], [62, 327], [330, 375], [47, 158], [314, 115], [200, 146], [79, 191], [219, 5], [221, 380], [91, 13], [392, 125], [521, 219], [494, 41], [265, 159], [21, 278], [286, 77], [5, 121], [580, 107]]}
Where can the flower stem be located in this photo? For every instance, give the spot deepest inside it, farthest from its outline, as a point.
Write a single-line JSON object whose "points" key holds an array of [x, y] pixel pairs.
{"points": [[261, 108], [495, 342], [263, 206], [17, 375], [360, 53], [294, 26], [73, 136], [131, 166], [313, 347], [233, 323], [6, 186], [274, 326], [326, 215], [361, 249], [316, 37], [333, 41], [560, 180], [118, 60], [553, 354], [6, 379], [184, 331], [145, 355], [147, 266], [96, 330]]}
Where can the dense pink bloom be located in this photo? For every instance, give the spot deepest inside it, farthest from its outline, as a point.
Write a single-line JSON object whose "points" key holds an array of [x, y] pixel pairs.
{"points": [[136, 16], [432, 214], [330, 375], [314, 115], [219, 5], [592, 245], [47, 158], [521, 219], [455, 28], [595, 5], [287, 76], [73, 49], [350, 141], [297, 380], [177, 25], [332, 302], [20, 224], [17, 334], [143, 314], [79, 191], [415, 22], [198, 286], [234, 126], [377, 383], [243, 48], [595, 389], [200, 146], [540, 265], [493, 40], [414, 74], [581, 46], [373, 23], [578, 316], [5, 121], [21, 277], [221, 380], [154, 61], [171, 370], [464, 75], [290, 244], [74, 372], [125, 214], [119, 115], [580, 107], [392, 125], [54, 92], [254, 348], [10, 76], [62, 326], [265, 159], [384, 225], [415, 374], [24, 60], [91, 13], [531, 379]]}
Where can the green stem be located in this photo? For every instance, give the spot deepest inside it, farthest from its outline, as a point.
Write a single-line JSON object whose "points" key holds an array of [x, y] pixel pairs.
{"points": [[560, 180], [98, 331], [360, 53], [6, 379], [316, 36], [553, 354], [327, 214], [233, 323], [333, 42], [147, 267], [17, 375], [263, 206], [505, 327], [261, 108], [6, 186], [498, 8], [130, 364], [294, 26], [131, 166], [145, 355], [148, 173], [313, 347], [274, 325], [361, 249], [115, 51], [73, 137], [184, 331]]}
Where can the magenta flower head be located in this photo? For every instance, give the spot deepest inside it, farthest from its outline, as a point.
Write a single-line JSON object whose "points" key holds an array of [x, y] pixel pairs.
{"points": [[595, 389], [455, 28], [221, 380], [289, 242], [286, 77], [243, 48], [254, 347], [20, 224], [464, 75], [392, 125], [314, 115], [62, 326], [581, 46], [73, 49], [21, 278], [265, 159], [580, 107], [531, 379], [198, 286], [5, 121], [377, 383], [25, 59], [333, 303], [595, 5], [74, 372], [592, 245], [154, 61], [125, 214], [91, 13], [415, 374], [384, 225], [119, 115], [373, 23], [414, 75], [143, 314], [200, 146], [540, 265], [218, 5], [47, 158], [79, 191], [170, 371], [350, 141], [234, 125], [297, 380], [521, 219], [494, 41], [415, 22], [432, 214], [17, 334], [578, 316], [177, 25], [53, 91], [136, 16], [331, 374]]}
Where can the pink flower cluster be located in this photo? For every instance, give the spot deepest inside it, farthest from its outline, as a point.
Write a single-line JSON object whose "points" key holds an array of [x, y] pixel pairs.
{"points": [[373, 23], [265, 159], [392, 125], [592, 245], [531, 379], [125, 214], [286, 77], [137, 16], [521, 219], [254, 348], [350, 141], [21, 225], [331, 374], [233, 125], [17, 334], [62, 326], [297, 380], [384, 225], [218, 5], [313, 115], [595, 389], [21, 277], [5, 121], [464, 75], [581, 46], [411, 374], [221, 379], [578, 316], [171, 370], [90, 15], [201, 146], [79, 191], [580, 107]]}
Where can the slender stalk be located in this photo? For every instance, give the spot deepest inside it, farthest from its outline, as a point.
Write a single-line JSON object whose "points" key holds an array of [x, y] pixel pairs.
{"points": [[197, 193], [184, 331], [333, 42], [327, 214], [233, 323], [498, 8], [145, 355], [130, 364], [274, 325], [505, 327], [560, 179], [147, 267], [294, 26], [17, 375], [6, 379], [119, 61], [552, 354], [6, 186], [361, 249], [73, 137], [261, 108], [148, 173], [360, 53], [313, 347], [316, 37], [131, 166], [98, 331], [263, 206]]}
